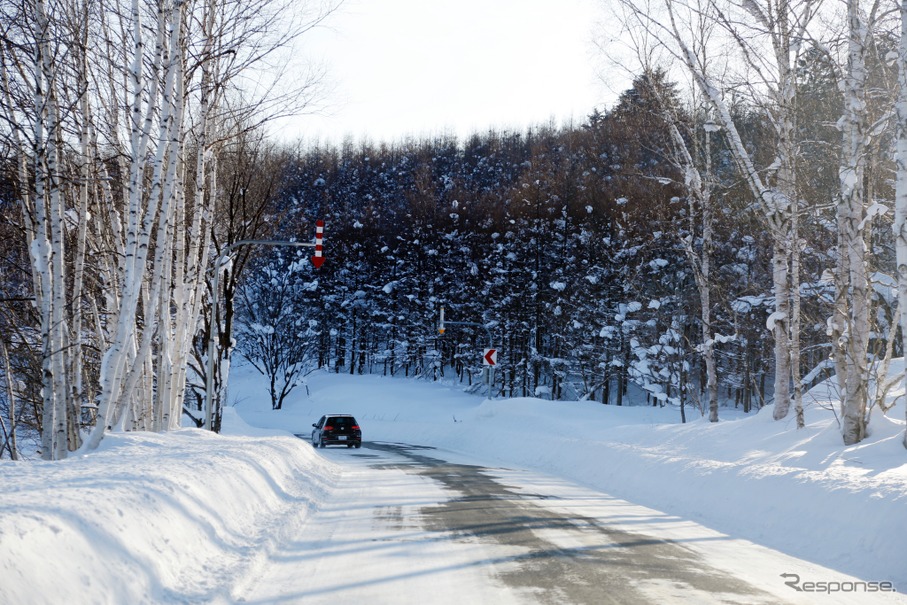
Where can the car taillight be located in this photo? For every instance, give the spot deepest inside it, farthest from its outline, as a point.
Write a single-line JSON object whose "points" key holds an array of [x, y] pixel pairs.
{"points": [[329, 428], [355, 427]]}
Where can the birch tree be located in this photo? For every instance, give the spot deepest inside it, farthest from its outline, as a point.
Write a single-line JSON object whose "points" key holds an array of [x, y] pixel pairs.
{"points": [[117, 112], [700, 186], [148, 208], [850, 326], [767, 39], [39, 90], [48, 252], [851, 323], [201, 51], [695, 166], [770, 37], [900, 223], [9, 434]]}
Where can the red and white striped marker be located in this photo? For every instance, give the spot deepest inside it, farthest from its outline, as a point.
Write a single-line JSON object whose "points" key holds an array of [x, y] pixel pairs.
{"points": [[318, 259]]}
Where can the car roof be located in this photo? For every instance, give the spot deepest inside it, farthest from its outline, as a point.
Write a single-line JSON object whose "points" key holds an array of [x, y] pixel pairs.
{"points": [[335, 415]]}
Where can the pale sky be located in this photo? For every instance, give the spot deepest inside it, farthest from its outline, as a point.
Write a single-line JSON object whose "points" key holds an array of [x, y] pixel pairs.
{"points": [[403, 68]]}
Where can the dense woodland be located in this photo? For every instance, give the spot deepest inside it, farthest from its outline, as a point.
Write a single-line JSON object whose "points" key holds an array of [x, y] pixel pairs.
{"points": [[728, 232], [567, 244]]}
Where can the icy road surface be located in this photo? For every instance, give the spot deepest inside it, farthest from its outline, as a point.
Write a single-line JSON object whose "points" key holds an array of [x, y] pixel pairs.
{"points": [[405, 524]]}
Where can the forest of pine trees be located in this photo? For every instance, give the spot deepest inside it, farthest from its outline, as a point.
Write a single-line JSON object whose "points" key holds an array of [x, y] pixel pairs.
{"points": [[566, 244]]}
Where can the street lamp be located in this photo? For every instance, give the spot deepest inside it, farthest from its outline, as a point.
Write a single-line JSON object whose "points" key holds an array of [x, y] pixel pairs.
{"points": [[317, 260]]}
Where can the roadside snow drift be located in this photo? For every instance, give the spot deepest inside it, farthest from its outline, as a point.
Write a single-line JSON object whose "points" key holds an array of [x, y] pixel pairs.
{"points": [[149, 518]]}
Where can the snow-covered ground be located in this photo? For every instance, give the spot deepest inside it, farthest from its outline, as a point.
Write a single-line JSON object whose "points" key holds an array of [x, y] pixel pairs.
{"points": [[183, 517]]}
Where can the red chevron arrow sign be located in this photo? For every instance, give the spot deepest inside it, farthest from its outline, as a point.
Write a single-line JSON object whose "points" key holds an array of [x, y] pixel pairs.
{"points": [[490, 358]]}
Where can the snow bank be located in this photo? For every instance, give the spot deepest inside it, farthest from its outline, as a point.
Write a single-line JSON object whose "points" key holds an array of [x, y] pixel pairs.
{"points": [[149, 518]]}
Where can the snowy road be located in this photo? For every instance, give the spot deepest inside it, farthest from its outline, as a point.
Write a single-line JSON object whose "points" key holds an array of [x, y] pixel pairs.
{"points": [[404, 526]]}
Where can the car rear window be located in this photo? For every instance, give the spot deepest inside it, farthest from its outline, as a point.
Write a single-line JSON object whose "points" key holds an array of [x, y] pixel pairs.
{"points": [[343, 421]]}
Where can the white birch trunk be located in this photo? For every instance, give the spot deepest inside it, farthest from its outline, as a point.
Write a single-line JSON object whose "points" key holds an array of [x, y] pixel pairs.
{"points": [[699, 190], [114, 359], [84, 160], [705, 289], [776, 207], [900, 222], [212, 407], [40, 248], [785, 127], [48, 251], [148, 212], [12, 396], [852, 250], [795, 319]]}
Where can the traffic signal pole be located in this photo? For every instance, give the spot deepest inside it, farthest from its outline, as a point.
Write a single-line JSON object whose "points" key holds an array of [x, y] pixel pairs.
{"points": [[214, 330]]}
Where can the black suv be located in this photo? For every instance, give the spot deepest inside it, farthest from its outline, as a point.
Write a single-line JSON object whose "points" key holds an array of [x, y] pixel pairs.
{"points": [[337, 429]]}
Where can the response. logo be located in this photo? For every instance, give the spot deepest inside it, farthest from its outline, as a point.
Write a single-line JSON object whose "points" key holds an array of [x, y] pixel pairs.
{"points": [[793, 580]]}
